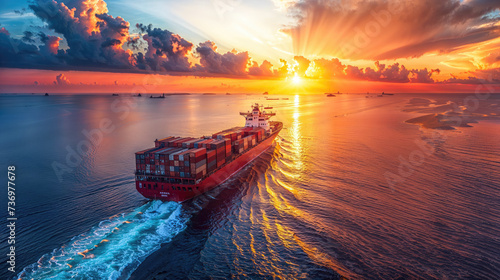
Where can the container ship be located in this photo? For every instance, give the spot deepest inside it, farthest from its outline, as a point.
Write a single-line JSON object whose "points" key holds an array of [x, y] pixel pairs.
{"points": [[180, 168]]}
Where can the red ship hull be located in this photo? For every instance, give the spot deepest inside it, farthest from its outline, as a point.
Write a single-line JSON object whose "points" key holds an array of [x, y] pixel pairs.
{"points": [[182, 192]]}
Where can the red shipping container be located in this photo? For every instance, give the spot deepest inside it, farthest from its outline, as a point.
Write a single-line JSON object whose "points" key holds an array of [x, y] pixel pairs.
{"points": [[220, 163], [178, 142], [170, 142], [164, 142], [201, 143], [200, 175], [206, 144], [217, 144], [189, 144], [197, 152], [211, 153], [221, 156]]}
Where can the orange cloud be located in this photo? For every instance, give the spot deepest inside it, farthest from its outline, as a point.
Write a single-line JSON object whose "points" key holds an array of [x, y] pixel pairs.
{"points": [[61, 80]]}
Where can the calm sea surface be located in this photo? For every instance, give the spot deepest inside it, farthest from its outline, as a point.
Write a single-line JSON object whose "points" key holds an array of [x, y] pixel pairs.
{"points": [[348, 189]]}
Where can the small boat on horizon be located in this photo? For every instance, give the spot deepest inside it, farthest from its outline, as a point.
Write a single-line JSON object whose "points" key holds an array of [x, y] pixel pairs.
{"points": [[161, 96], [265, 93], [46, 94], [329, 94], [114, 94]]}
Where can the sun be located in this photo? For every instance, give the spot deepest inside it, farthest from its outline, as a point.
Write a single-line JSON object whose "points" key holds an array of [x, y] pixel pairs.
{"points": [[296, 79]]}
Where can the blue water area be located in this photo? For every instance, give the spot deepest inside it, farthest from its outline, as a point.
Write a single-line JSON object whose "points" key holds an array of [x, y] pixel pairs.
{"points": [[349, 189]]}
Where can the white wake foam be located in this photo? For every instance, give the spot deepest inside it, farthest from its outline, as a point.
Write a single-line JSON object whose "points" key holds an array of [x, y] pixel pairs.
{"points": [[114, 248]]}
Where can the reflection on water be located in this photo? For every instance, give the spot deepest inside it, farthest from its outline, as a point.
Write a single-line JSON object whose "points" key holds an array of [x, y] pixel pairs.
{"points": [[296, 136], [315, 206]]}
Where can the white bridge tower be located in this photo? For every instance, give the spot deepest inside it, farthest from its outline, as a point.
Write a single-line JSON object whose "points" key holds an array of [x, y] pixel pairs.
{"points": [[257, 117]]}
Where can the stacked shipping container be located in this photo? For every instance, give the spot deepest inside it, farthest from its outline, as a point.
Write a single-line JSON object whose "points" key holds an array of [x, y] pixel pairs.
{"points": [[178, 158]]}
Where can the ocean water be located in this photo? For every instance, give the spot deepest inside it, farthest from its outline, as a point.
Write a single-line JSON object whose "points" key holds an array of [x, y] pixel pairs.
{"points": [[349, 189]]}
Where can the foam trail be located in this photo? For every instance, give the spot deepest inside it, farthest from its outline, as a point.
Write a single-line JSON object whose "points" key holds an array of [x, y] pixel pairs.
{"points": [[114, 248]]}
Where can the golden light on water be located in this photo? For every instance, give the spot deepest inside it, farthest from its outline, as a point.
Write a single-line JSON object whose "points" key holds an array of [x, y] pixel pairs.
{"points": [[296, 136]]}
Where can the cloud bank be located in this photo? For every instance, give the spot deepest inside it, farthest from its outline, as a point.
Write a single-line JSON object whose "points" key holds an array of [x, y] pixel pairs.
{"points": [[98, 41]]}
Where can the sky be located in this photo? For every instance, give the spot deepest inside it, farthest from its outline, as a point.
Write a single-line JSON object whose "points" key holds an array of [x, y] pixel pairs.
{"points": [[241, 46]]}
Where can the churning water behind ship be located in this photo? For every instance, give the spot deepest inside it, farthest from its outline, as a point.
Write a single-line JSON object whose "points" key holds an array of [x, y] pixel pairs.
{"points": [[113, 248], [320, 204]]}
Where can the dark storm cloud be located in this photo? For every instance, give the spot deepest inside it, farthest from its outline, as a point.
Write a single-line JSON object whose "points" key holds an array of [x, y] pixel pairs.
{"points": [[165, 52], [233, 63], [16, 53], [94, 38], [28, 37]]}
